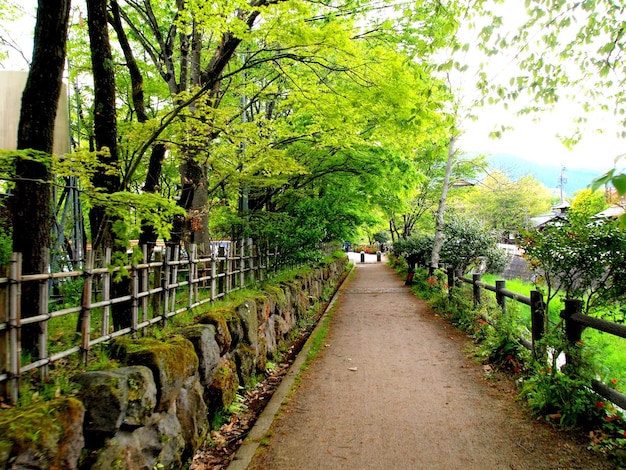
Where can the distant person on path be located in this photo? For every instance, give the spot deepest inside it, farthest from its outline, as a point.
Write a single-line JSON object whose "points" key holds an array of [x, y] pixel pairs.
{"points": [[411, 261]]}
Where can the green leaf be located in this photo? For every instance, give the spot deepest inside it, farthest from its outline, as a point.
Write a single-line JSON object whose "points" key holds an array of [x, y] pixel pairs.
{"points": [[601, 180], [619, 181]]}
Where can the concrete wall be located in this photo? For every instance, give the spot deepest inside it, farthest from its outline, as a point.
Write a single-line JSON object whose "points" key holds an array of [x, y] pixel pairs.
{"points": [[11, 87]]}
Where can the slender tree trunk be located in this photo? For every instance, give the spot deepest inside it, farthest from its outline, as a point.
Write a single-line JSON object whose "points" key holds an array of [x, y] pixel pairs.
{"points": [[32, 196], [148, 235], [439, 222]]}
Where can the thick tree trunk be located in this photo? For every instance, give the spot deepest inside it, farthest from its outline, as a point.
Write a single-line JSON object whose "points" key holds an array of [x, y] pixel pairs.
{"points": [[105, 130], [193, 199], [32, 195], [105, 118], [148, 235]]}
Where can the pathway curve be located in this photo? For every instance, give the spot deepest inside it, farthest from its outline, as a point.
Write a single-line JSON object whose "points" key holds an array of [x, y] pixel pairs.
{"points": [[394, 388]]}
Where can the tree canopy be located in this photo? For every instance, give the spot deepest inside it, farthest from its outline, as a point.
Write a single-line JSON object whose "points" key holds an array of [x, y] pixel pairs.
{"points": [[301, 122], [277, 116]]}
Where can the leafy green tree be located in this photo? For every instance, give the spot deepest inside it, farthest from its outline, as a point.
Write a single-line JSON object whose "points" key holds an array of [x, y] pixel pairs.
{"points": [[295, 117], [582, 259], [420, 245], [587, 203], [501, 204], [381, 237], [312, 48], [468, 243]]}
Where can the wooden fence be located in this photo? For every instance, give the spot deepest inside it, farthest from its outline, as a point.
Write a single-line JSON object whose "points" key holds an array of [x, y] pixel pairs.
{"points": [[575, 323], [172, 283]]}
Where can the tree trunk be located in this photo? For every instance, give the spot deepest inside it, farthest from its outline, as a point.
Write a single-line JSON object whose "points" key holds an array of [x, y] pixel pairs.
{"points": [[439, 222], [105, 130], [32, 195], [148, 235], [105, 118]]}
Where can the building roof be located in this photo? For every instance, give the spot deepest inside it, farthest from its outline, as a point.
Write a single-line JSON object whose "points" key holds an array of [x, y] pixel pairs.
{"points": [[616, 210]]}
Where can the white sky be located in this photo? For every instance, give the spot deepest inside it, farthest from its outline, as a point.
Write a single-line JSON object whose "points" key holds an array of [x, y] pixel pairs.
{"points": [[535, 141], [538, 141]]}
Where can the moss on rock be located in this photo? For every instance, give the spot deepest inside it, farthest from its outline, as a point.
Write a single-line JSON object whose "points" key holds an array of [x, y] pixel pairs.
{"points": [[171, 362], [225, 385], [219, 319], [46, 434]]}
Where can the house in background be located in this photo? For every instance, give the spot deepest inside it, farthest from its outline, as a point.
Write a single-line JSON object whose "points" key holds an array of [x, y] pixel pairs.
{"points": [[557, 216], [613, 212]]}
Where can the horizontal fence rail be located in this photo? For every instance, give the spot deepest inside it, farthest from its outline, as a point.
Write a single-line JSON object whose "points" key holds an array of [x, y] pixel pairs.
{"points": [[77, 310], [574, 320]]}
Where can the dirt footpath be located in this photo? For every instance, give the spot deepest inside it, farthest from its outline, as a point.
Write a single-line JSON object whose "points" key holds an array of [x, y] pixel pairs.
{"points": [[394, 388]]}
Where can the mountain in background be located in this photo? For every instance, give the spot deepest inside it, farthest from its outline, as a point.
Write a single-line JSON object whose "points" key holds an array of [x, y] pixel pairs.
{"points": [[546, 173]]}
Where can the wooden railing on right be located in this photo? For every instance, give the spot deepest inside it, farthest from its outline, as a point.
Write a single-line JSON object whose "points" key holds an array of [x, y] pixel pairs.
{"points": [[574, 322]]}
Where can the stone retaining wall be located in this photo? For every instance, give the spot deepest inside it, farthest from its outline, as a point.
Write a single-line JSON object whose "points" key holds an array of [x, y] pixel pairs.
{"points": [[154, 412]]}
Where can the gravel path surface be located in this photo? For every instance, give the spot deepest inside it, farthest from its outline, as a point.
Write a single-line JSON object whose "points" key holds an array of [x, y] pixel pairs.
{"points": [[394, 388]]}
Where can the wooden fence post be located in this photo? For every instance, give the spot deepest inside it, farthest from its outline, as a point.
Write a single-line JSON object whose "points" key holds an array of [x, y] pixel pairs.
{"points": [[192, 276], [144, 274], [242, 264], [260, 263], [251, 251], [174, 279], [4, 333], [134, 303], [501, 299], [230, 256], [85, 313], [106, 289], [44, 296], [537, 317], [213, 275], [221, 284], [450, 280], [166, 283], [155, 301], [476, 289], [15, 279], [573, 329]]}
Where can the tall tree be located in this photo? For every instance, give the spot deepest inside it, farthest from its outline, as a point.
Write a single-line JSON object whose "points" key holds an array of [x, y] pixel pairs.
{"points": [[105, 120], [32, 195], [107, 179]]}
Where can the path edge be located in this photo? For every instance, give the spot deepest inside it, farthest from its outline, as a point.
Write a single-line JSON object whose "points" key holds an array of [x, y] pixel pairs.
{"points": [[248, 448]]}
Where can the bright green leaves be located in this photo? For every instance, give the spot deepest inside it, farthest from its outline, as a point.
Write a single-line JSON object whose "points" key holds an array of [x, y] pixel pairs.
{"points": [[503, 204], [560, 49], [582, 258], [217, 18], [614, 177], [617, 179]]}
